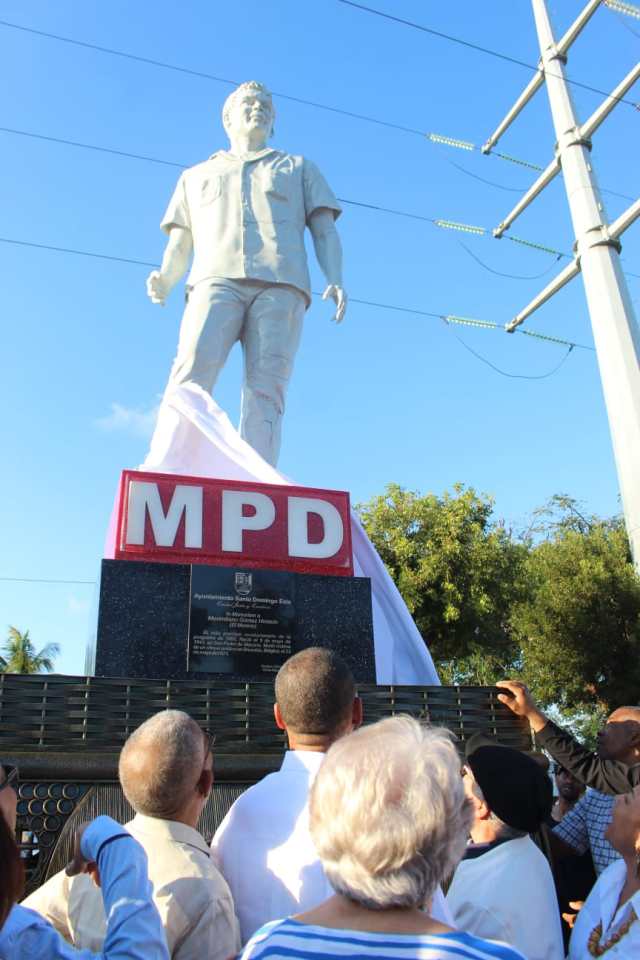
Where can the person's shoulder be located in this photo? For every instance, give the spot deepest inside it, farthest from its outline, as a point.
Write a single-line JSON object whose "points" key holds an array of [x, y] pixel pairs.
{"points": [[522, 855], [480, 948], [173, 856], [611, 874], [249, 804], [255, 943], [298, 161], [200, 170]]}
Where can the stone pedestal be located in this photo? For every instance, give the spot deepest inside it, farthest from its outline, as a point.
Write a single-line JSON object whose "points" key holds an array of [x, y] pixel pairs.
{"points": [[180, 621]]}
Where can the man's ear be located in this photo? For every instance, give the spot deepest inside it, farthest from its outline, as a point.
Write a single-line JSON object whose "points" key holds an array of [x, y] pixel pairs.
{"points": [[357, 712], [205, 783], [280, 724], [634, 737]]}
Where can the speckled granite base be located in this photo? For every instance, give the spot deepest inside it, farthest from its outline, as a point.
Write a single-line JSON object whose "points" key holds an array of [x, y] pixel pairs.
{"points": [[144, 613]]}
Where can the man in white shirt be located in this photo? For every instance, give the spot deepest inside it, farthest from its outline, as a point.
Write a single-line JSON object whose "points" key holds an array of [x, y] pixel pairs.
{"points": [[243, 213], [263, 846], [503, 889], [166, 775]]}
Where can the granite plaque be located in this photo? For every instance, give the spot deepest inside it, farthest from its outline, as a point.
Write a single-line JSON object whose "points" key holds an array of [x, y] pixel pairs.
{"points": [[240, 621], [146, 618]]}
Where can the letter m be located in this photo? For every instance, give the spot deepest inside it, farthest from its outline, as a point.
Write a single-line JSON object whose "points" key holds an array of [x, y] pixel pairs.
{"points": [[144, 498]]}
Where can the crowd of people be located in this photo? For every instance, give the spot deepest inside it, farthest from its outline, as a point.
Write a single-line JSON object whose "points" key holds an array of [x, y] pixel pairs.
{"points": [[372, 840]]}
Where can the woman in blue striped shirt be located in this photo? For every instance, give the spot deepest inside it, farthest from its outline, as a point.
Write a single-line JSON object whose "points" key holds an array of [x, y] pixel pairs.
{"points": [[390, 821]]}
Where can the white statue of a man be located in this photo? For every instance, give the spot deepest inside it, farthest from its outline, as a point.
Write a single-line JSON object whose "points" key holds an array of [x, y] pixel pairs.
{"points": [[242, 214]]}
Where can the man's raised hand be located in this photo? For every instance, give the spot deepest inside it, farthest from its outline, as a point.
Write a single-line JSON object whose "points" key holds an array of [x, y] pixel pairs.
{"points": [[78, 864], [519, 700], [339, 296]]}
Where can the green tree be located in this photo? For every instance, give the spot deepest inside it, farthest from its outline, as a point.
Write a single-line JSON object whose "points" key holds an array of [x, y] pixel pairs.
{"points": [[579, 626], [20, 654], [459, 573]]}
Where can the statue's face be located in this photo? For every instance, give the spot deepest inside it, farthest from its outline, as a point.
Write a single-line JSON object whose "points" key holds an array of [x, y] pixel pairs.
{"points": [[251, 110]]}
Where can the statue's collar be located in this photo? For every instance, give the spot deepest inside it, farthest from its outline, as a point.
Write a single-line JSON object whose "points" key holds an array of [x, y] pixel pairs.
{"points": [[245, 157]]}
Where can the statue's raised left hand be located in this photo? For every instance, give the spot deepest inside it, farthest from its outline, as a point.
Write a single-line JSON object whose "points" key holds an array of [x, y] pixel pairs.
{"points": [[339, 296]]}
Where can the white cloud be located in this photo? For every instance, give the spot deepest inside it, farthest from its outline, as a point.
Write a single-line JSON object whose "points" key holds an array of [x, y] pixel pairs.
{"points": [[135, 422]]}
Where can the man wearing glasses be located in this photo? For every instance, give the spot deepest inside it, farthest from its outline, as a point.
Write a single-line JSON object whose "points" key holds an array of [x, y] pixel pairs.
{"points": [[166, 773]]}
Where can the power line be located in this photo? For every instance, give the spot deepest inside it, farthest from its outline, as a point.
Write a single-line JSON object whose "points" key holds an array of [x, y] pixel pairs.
{"points": [[99, 148], [38, 580], [448, 318], [91, 146], [78, 253], [397, 213], [183, 166], [505, 373], [508, 276], [206, 76], [439, 222], [489, 183], [480, 49], [356, 203]]}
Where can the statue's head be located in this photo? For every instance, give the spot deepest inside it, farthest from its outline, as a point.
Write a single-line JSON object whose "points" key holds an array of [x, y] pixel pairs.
{"points": [[249, 107]]}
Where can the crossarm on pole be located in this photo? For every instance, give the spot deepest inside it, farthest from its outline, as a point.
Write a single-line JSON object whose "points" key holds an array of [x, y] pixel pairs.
{"points": [[584, 132], [536, 81], [568, 273]]}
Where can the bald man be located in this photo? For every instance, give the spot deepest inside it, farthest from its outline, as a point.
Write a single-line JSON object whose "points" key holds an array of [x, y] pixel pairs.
{"points": [[166, 773], [613, 769]]}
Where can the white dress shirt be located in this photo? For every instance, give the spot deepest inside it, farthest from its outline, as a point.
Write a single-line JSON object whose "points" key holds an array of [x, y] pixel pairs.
{"points": [[193, 900], [134, 931], [507, 893], [600, 907], [264, 849], [247, 216]]}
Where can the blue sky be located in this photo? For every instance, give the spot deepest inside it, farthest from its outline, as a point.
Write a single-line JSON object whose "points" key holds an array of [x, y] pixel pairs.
{"points": [[388, 396]]}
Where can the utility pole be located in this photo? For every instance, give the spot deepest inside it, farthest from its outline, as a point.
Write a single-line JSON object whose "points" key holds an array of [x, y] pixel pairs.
{"points": [[597, 254]]}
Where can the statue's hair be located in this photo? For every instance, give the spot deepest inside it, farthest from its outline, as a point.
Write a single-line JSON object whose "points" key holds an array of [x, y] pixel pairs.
{"points": [[231, 99], [161, 762]]}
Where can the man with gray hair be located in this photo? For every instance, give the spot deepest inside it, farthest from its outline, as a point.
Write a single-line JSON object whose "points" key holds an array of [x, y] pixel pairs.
{"points": [[166, 772], [503, 888], [243, 213]]}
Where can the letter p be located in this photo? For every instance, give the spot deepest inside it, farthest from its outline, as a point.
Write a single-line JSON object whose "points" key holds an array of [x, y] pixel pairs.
{"points": [[234, 523]]}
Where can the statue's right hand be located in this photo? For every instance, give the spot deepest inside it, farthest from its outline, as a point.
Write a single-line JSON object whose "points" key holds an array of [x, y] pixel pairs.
{"points": [[156, 288]]}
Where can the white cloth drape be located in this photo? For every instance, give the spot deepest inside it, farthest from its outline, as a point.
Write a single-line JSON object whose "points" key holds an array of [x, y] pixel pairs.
{"points": [[194, 437]]}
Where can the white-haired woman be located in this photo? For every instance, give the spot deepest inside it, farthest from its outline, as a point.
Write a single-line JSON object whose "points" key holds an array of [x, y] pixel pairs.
{"points": [[390, 821], [609, 922]]}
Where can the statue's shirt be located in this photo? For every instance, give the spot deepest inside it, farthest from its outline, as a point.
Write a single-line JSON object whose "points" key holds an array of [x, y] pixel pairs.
{"points": [[247, 216]]}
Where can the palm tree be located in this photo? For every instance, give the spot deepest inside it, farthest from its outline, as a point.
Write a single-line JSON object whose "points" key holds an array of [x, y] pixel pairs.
{"points": [[20, 655]]}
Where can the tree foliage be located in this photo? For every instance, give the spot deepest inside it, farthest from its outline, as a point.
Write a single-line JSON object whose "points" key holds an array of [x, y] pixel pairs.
{"points": [[579, 628], [20, 654], [558, 604], [458, 571]]}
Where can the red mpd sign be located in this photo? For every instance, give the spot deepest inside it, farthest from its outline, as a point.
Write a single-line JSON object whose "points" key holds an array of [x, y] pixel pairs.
{"points": [[164, 517]]}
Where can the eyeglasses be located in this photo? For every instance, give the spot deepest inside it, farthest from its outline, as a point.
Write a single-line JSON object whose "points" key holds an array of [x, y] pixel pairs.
{"points": [[209, 741], [10, 777]]}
